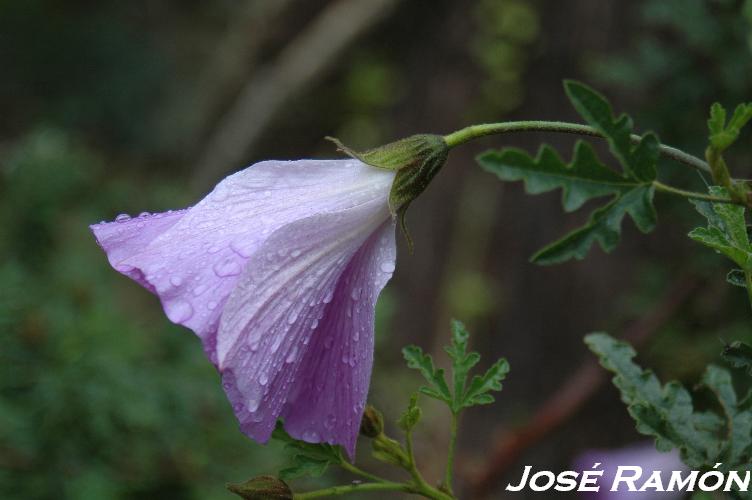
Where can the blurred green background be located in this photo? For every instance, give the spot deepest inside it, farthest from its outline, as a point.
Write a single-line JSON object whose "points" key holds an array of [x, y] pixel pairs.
{"points": [[111, 107]]}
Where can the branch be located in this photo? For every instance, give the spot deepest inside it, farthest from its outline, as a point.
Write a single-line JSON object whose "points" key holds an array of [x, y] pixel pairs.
{"points": [[574, 393], [297, 67]]}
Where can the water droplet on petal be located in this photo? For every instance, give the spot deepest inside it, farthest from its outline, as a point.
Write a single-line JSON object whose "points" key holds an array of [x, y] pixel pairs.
{"points": [[144, 214], [311, 436], [178, 311], [227, 267], [253, 404], [123, 218], [292, 356], [263, 378], [199, 290], [211, 305], [295, 253], [293, 317], [176, 280], [387, 267]]}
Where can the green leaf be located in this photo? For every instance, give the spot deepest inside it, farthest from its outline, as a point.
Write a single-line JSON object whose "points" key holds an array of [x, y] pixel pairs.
{"points": [[583, 179], [478, 391], [639, 162], [726, 232], [435, 376], [738, 420], [664, 412], [463, 394], [309, 459], [739, 355], [631, 190], [723, 135], [411, 416], [462, 362]]}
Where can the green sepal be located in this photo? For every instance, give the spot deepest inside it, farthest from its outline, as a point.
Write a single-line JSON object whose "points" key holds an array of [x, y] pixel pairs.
{"points": [[262, 488], [415, 159]]}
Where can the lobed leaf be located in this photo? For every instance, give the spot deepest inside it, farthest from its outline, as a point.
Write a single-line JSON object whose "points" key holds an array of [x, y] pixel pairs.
{"points": [[309, 459], [585, 178], [664, 412], [725, 233], [639, 162], [723, 135], [435, 376]]}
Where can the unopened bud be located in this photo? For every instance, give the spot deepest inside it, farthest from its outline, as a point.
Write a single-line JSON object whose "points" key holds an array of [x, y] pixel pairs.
{"points": [[262, 488], [372, 423]]}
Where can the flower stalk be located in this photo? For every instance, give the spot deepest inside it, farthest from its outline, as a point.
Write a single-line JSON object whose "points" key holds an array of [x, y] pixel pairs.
{"points": [[485, 129]]}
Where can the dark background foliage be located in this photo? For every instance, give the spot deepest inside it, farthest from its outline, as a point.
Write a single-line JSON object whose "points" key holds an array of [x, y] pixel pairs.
{"points": [[112, 107]]}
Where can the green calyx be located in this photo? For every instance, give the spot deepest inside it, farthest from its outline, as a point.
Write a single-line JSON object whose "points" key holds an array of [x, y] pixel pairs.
{"points": [[416, 159]]}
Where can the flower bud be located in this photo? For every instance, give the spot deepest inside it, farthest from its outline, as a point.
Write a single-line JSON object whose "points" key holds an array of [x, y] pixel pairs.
{"points": [[262, 488], [372, 423]]}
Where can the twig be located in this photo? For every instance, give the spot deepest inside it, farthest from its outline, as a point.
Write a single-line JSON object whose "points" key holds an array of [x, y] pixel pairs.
{"points": [[574, 393], [299, 64]]}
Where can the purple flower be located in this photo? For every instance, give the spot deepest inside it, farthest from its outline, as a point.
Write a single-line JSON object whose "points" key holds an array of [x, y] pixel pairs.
{"points": [[278, 271], [642, 454]]}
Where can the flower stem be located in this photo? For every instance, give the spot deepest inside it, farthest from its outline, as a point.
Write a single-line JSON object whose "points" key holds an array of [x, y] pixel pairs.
{"points": [[355, 487], [421, 486], [450, 455], [360, 472], [476, 131]]}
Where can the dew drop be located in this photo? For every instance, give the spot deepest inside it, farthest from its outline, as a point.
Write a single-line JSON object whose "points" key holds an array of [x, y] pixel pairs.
{"points": [[263, 378], [211, 305], [199, 290], [144, 214], [314, 324], [253, 404], [293, 317], [292, 356], [176, 280], [387, 267], [227, 267], [311, 436], [178, 311], [295, 253], [122, 218]]}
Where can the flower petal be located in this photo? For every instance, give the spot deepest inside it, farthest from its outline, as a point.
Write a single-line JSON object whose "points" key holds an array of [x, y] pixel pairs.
{"points": [[285, 303], [194, 263], [332, 384]]}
